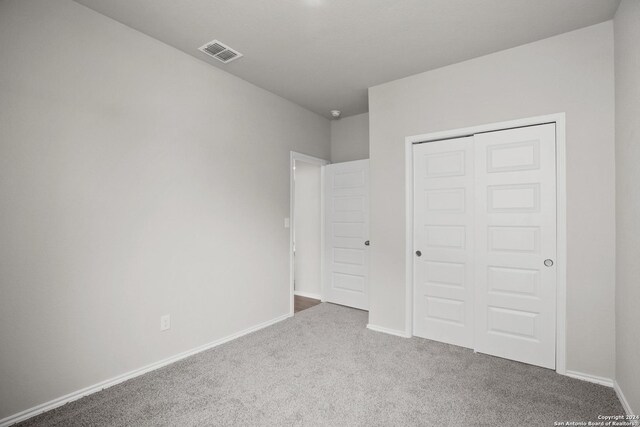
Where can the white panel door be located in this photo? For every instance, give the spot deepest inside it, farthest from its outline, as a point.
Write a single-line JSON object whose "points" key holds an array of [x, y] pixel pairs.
{"points": [[515, 232], [347, 233], [443, 241]]}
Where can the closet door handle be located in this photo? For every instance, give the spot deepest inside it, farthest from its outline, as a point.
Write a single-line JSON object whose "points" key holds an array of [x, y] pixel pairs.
{"points": [[366, 243], [418, 253]]}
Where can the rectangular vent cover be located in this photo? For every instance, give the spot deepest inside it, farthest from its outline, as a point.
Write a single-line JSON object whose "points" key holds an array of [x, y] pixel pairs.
{"points": [[220, 51]]}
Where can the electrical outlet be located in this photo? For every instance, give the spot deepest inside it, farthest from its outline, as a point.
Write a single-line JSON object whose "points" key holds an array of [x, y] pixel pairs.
{"points": [[165, 322], [286, 223]]}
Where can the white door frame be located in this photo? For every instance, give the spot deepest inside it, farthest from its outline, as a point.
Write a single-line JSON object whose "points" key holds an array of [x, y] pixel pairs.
{"points": [[561, 207], [293, 156]]}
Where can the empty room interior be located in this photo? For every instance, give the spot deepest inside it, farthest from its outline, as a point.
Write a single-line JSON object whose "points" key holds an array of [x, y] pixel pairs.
{"points": [[319, 212]]}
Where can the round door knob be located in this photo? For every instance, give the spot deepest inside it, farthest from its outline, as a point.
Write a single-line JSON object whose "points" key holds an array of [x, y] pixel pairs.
{"points": [[418, 253], [548, 262], [366, 243]]}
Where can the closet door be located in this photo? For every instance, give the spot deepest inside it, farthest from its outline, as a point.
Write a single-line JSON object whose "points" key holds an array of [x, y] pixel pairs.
{"points": [[515, 234], [443, 241]]}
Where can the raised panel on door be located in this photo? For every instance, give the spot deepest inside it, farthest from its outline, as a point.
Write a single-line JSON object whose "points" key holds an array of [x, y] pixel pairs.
{"points": [[346, 227], [515, 231], [443, 233]]}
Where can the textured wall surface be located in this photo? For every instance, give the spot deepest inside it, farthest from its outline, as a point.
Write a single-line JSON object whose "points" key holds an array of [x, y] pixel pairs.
{"points": [[135, 181], [350, 138], [307, 220], [627, 54], [571, 73]]}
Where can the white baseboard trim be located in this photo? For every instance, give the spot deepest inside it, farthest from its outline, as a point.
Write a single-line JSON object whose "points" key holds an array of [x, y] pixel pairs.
{"points": [[308, 295], [607, 382], [52, 404], [623, 400], [395, 332]]}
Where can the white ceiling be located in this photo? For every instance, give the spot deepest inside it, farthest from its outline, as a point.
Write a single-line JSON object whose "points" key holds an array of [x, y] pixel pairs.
{"points": [[324, 54]]}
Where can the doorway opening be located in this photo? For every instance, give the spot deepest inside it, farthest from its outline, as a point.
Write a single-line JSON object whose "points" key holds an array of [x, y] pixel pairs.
{"points": [[306, 231]]}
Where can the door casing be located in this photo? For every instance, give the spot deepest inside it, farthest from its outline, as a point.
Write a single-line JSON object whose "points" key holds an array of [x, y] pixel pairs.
{"points": [[561, 207]]}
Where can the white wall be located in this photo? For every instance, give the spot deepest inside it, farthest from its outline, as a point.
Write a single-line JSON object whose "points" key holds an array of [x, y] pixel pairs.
{"points": [[307, 217], [350, 138], [135, 181], [627, 60], [570, 73]]}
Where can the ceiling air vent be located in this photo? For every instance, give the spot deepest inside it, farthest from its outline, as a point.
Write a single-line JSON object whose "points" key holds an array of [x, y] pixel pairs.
{"points": [[220, 51]]}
